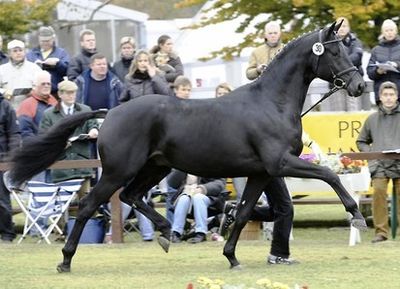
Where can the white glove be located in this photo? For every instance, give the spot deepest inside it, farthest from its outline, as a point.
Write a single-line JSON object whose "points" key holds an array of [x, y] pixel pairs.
{"points": [[317, 151]]}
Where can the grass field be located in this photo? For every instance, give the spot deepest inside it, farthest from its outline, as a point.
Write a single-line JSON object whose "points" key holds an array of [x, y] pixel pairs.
{"points": [[326, 262]]}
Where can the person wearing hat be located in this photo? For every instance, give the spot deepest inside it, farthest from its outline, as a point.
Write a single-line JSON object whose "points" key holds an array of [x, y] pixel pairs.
{"points": [[128, 48], [17, 76], [79, 149], [50, 57]]}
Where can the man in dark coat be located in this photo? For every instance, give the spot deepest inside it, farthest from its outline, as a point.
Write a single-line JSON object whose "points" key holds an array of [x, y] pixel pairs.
{"points": [[80, 62], [10, 138], [79, 149]]}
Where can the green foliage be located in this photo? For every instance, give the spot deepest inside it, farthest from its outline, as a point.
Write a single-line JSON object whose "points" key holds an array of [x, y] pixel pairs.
{"points": [[299, 16], [22, 16]]}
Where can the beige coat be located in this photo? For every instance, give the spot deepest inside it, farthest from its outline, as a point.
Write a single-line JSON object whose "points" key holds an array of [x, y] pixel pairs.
{"points": [[261, 55]]}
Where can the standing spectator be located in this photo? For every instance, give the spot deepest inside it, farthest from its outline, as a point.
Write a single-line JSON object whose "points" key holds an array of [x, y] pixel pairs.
{"points": [[3, 56], [381, 132], [9, 140], [50, 57], [165, 45], [18, 75], [31, 110], [386, 52], [193, 194], [79, 149], [98, 87], [182, 87], [128, 47], [264, 54], [80, 62], [143, 79], [340, 100]]}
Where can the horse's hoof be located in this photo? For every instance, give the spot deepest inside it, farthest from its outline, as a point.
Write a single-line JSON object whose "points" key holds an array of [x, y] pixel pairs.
{"points": [[359, 224], [61, 268], [164, 243], [236, 267]]}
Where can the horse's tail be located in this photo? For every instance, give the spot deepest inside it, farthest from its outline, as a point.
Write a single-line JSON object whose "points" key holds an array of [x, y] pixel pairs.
{"points": [[39, 152]]}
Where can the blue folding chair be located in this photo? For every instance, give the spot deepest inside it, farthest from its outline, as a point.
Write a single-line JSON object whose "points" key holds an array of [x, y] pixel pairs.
{"points": [[47, 202]]}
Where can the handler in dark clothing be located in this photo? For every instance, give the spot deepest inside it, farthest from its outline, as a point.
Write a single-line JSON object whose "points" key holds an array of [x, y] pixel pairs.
{"points": [[10, 139], [279, 211]]}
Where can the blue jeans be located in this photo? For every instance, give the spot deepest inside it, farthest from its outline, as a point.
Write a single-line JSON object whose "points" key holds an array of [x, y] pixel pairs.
{"points": [[200, 204], [145, 225]]}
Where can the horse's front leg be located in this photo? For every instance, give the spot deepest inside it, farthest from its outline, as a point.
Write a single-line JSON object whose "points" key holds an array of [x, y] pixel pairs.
{"points": [[251, 194], [87, 206], [296, 167]]}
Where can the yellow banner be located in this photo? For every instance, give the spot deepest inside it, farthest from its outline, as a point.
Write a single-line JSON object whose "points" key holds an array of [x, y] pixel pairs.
{"points": [[334, 131]]}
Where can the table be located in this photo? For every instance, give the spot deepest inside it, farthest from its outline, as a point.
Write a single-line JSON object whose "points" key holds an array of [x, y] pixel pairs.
{"points": [[353, 183]]}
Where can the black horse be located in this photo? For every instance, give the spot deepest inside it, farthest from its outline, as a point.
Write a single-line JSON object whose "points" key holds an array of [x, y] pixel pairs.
{"points": [[255, 131]]}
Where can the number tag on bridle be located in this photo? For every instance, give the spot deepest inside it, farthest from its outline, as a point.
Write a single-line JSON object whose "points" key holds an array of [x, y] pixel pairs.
{"points": [[318, 48]]}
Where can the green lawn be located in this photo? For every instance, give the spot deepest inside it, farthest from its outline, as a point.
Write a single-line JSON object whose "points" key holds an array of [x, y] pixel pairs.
{"points": [[326, 261]]}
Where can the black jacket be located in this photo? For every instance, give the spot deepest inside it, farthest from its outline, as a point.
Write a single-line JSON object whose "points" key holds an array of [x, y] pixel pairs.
{"points": [[10, 135], [383, 52], [79, 63]]}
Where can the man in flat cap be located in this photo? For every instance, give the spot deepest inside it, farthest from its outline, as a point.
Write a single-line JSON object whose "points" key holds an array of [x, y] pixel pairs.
{"points": [[50, 57], [79, 149], [18, 75]]}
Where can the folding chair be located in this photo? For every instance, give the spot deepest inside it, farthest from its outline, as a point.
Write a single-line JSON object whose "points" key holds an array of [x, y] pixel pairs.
{"points": [[46, 201]]}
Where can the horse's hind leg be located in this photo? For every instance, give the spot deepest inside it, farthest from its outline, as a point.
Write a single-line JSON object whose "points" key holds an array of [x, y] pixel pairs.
{"points": [[296, 167], [252, 192], [148, 176], [100, 194]]}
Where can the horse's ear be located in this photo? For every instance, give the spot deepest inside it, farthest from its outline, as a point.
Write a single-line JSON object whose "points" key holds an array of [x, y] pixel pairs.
{"points": [[332, 28], [337, 26]]}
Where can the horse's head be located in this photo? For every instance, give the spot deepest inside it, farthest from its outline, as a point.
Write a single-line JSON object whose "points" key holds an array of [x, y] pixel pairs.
{"points": [[332, 63]]}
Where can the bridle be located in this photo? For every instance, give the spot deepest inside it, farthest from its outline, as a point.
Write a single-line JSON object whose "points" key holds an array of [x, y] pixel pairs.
{"points": [[338, 82]]}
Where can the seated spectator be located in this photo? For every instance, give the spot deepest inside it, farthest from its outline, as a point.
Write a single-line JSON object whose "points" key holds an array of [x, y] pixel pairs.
{"points": [[145, 225], [31, 110], [18, 75], [127, 47], [196, 195], [182, 87], [143, 79], [222, 89], [165, 45], [50, 57], [79, 149]]}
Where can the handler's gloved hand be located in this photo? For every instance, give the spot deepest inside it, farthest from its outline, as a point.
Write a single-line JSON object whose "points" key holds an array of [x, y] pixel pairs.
{"points": [[317, 151]]}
